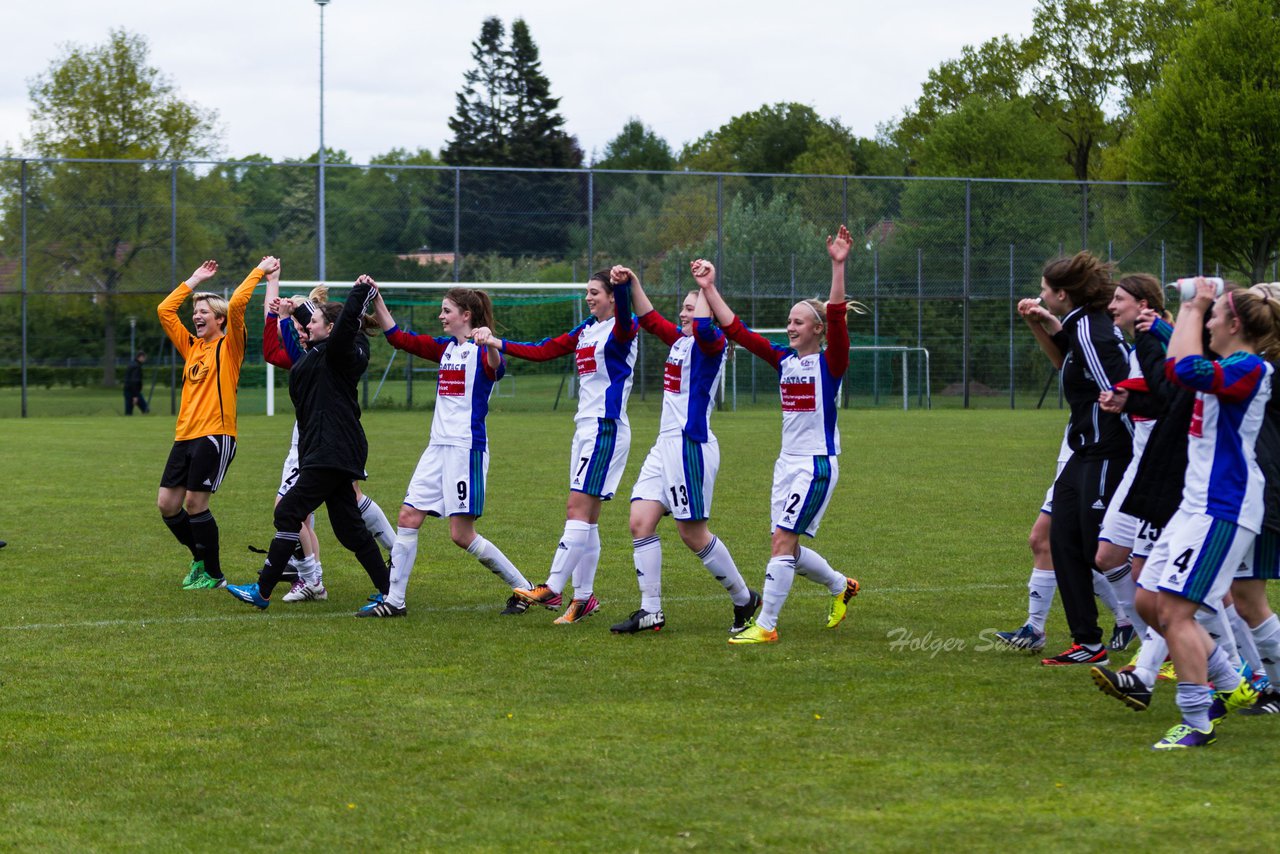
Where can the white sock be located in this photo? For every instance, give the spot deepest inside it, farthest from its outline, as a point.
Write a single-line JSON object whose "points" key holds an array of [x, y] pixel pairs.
{"points": [[778, 576], [404, 551], [716, 558], [584, 574], [572, 544], [647, 554], [492, 559], [1152, 654], [376, 522], [1107, 594], [814, 567], [1266, 635], [1244, 640], [1222, 673], [1219, 628], [1040, 589], [309, 569]]}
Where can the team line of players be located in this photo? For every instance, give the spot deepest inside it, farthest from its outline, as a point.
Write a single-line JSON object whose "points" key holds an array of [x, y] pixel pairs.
{"points": [[322, 345]]}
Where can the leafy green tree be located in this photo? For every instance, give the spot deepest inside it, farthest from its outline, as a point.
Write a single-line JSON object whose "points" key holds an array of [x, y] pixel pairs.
{"points": [[98, 225], [1212, 129]]}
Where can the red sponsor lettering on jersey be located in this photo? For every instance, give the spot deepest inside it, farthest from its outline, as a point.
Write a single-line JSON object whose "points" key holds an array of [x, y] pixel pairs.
{"points": [[671, 377], [799, 397], [1197, 419], [586, 360], [452, 382]]}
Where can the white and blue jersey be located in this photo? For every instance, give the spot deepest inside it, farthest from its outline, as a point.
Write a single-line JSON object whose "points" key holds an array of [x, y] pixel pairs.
{"points": [[1223, 478], [690, 376], [463, 386]]}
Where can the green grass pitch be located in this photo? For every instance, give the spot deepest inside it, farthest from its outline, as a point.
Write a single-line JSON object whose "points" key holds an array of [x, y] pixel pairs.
{"points": [[135, 715]]}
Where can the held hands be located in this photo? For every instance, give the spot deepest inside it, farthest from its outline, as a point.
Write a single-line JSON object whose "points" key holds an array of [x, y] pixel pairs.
{"points": [[704, 273], [1146, 320], [838, 246], [270, 264], [203, 273], [1113, 400]]}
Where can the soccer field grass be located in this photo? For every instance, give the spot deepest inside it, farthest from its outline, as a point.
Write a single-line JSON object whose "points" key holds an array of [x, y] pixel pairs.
{"points": [[134, 714]]}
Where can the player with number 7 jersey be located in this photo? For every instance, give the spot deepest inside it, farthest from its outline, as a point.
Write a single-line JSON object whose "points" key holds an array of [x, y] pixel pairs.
{"points": [[806, 472], [604, 351]]}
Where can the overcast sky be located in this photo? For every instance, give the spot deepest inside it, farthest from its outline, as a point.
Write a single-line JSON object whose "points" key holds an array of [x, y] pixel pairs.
{"points": [[393, 67]]}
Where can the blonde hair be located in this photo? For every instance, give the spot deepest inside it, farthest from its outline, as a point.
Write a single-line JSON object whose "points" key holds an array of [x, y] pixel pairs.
{"points": [[217, 304]]}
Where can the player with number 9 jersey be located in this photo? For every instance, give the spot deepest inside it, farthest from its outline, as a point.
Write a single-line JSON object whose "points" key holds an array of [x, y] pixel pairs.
{"points": [[450, 478]]}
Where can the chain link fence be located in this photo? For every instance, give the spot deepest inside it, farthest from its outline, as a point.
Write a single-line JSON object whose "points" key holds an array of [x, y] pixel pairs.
{"points": [[88, 248]]}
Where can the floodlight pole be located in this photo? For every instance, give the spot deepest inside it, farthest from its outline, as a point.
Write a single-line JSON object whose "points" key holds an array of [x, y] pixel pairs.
{"points": [[320, 274]]}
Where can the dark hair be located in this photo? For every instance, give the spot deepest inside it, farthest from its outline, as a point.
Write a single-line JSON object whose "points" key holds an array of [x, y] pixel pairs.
{"points": [[475, 301], [602, 276], [1085, 277], [1144, 286]]}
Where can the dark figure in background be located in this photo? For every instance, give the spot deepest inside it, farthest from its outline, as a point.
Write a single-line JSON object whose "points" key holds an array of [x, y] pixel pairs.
{"points": [[133, 385]]}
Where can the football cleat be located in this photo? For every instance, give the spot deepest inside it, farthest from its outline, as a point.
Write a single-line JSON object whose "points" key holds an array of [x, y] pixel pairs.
{"points": [[640, 621], [381, 608], [301, 591], [205, 581], [197, 567], [1121, 637], [840, 603], [540, 595], [515, 605], [1024, 638], [1124, 686], [1268, 703], [579, 609], [248, 593], [1076, 654], [754, 634], [742, 614], [1184, 736]]}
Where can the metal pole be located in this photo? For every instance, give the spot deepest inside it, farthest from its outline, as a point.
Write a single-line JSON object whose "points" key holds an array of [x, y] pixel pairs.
{"points": [[173, 279], [1012, 399], [22, 190], [964, 354], [457, 224], [320, 228]]}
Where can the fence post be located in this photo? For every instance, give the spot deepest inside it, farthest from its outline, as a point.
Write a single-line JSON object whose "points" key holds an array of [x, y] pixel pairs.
{"points": [[591, 221], [1012, 312], [173, 278], [457, 225], [22, 192], [964, 335]]}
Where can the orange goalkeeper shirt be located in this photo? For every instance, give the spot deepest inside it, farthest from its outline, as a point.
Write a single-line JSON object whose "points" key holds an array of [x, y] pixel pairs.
{"points": [[212, 368]]}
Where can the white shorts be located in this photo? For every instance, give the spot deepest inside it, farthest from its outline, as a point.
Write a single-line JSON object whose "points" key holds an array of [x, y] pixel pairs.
{"points": [[680, 474], [598, 456], [449, 481], [1197, 558], [289, 474], [802, 489]]}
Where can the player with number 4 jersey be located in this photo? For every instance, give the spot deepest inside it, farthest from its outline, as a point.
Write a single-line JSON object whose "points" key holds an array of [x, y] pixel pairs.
{"points": [[450, 478], [806, 472], [604, 352]]}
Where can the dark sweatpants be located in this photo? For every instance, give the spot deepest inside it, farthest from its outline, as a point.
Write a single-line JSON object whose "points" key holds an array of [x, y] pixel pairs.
{"points": [[332, 488], [1080, 498]]}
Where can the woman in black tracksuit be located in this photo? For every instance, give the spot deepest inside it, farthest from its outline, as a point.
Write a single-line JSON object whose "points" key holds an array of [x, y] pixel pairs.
{"points": [[1095, 359], [332, 449]]}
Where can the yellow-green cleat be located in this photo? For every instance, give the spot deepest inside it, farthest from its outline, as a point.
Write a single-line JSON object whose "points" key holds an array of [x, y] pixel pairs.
{"points": [[754, 634], [840, 603]]}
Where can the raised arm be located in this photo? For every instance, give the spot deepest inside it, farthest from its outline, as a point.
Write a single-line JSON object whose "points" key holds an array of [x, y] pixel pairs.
{"points": [[838, 249]]}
